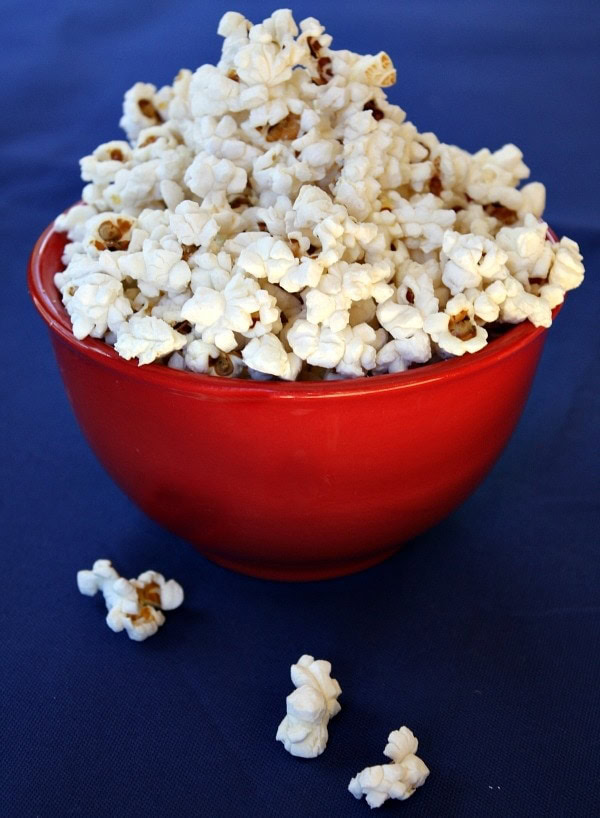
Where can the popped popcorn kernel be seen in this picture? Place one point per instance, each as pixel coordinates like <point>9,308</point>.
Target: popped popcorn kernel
<point>309,707</point>
<point>134,605</point>
<point>275,216</point>
<point>398,780</point>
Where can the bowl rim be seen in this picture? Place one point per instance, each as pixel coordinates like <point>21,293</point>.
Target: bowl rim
<point>47,301</point>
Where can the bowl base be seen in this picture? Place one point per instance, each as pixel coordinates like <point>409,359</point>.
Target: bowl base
<point>301,572</point>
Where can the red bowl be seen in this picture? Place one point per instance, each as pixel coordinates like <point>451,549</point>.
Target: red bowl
<point>290,481</point>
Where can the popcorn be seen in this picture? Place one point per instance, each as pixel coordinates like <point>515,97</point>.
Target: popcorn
<point>400,320</point>
<point>319,346</point>
<point>164,269</point>
<point>492,177</point>
<point>207,174</point>
<point>523,244</point>
<point>520,305</point>
<point>105,162</point>
<point>133,605</point>
<point>399,354</point>
<point>470,259</point>
<point>454,330</point>
<point>267,355</point>
<point>192,225</point>
<point>360,352</point>
<point>423,222</point>
<point>374,70</point>
<point>274,260</point>
<point>97,305</point>
<point>274,216</point>
<point>567,271</point>
<point>218,314</point>
<point>74,220</point>
<point>303,731</point>
<point>139,109</point>
<point>398,780</point>
<point>147,338</point>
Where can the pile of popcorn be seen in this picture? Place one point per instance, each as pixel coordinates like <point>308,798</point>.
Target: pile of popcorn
<point>273,216</point>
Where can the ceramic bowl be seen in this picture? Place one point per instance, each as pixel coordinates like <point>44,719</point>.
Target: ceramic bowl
<point>290,481</point>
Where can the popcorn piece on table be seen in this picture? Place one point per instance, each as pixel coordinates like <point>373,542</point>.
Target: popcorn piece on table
<point>133,605</point>
<point>303,731</point>
<point>398,780</point>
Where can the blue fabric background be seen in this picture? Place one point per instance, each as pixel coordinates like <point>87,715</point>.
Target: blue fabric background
<point>482,635</point>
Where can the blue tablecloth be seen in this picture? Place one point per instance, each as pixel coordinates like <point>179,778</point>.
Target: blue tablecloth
<point>482,635</point>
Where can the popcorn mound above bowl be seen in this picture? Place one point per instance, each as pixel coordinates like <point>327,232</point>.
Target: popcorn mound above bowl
<point>273,216</point>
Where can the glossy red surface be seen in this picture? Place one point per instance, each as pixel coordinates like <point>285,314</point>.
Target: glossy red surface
<point>290,481</point>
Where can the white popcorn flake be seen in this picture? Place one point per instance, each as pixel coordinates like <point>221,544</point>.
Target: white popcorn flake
<point>424,222</point>
<point>360,351</point>
<point>484,307</point>
<point>399,354</point>
<point>207,173</point>
<point>297,220</point>
<point>133,187</point>
<point>400,320</point>
<point>533,199</point>
<point>218,314</point>
<point>329,306</point>
<point>192,225</point>
<point>164,268</point>
<point>104,163</point>
<point>133,605</point>
<point>398,780</point>
<point>147,338</point>
<point>268,258</point>
<point>375,69</point>
<point>419,291</point>
<point>470,259</point>
<point>97,305</point>
<point>553,294</point>
<point>520,305</point>
<point>454,330</point>
<point>74,220</point>
<point>319,346</point>
<point>274,260</point>
<point>139,109</point>
<point>268,355</point>
<point>567,271</point>
<point>492,177</point>
<point>171,193</point>
<point>198,356</point>
<point>309,707</point>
